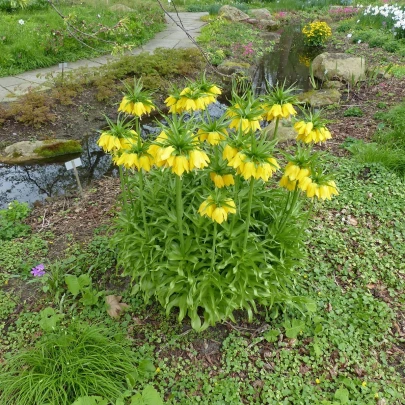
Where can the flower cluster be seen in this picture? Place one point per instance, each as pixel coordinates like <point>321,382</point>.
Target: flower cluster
<point>316,33</point>
<point>218,212</point>
<point>38,271</point>
<point>389,16</point>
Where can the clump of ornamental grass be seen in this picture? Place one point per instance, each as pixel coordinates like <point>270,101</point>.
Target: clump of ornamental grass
<point>80,360</point>
<point>205,227</point>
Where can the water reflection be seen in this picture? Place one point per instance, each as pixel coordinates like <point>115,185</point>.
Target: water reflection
<point>30,183</point>
<point>289,61</point>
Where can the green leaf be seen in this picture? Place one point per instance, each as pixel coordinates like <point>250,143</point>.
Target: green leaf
<point>146,366</point>
<point>151,397</point>
<point>137,400</point>
<point>272,335</point>
<point>293,328</point>
<point>72,284</point>
<point>342,394</point>
<point>90,297</point>
<point>49,319</point>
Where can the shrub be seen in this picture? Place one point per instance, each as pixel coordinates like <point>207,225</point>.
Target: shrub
<point>80,360</point>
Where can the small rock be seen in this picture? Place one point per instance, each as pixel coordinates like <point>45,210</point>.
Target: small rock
<point>232,14</point>
<point>285,131</point>
<point>261,13</point>
<point>320,98</point>
<point>228,68</point>
<point>332,84</point>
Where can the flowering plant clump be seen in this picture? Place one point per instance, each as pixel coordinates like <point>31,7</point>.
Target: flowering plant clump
<point>316,33</point>
<point>204,227</point>
<point>390,17</point>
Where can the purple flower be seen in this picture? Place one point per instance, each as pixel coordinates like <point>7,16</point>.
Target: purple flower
<point>38,271</point>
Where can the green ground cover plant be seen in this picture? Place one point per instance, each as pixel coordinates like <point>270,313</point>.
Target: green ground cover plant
<point>34,38</point>
<point>11,221</point>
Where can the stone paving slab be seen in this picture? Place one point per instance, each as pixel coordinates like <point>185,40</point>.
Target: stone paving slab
<point>172,37</point>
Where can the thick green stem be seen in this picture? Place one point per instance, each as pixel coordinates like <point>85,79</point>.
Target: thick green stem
<point>123,190</point>
<point>179,209</point>
<point>276,127</point>
<point>249,210</point>
<point>291,208</point>
<point>214,242</point>
<point>141,191</point>
<point>236,199</point>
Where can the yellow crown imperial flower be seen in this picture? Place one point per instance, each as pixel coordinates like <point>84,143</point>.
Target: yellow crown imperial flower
<point>295,172</point>
<point>245,124</point>
<point>229,152</point>
<point>215,90</point>
<point>287,183</point>
<point>307,133</point>
<point>198,159</point>
<point>323,191</point>
<point>180,165</point>
<point>237,160</point>
<point>217,212</point>
<point>133,160</point>
<point>136,100</point>
<point>213,138</point>
<point>222,180</point>
<point>117,138</point>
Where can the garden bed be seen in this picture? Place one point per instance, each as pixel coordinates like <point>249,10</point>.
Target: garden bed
<point>351,351</point>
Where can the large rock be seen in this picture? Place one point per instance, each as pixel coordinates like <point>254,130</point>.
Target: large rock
<point>264,19</point>
<point>320,98</point>
<point>121,8</point>
<point>285,131</point>
<point>350,68</point>
<point>34,151</point>
<point>261,13</point>
<point>229,67</point>
<point>232,14</point>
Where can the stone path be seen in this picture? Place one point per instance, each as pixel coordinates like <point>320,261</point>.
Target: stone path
<point>172,37</point>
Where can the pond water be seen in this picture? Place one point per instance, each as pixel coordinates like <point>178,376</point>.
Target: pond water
<point>289,61</point>
<point>35,182</point>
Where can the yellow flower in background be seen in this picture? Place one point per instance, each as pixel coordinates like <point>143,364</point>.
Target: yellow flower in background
<point>237,160</point>
<point>295,172</point>
<point>322,191</point>
<point>217,212</point>
<point>214,137</point>
<point>132,160</point>
<point>222,180</point>
<point>136,100</point>
<point>215,90</point>
<point>287,183</point>
<point>278,111</point>
<point>114,140</point>
<point>249,168</point>
<point>309,133</point>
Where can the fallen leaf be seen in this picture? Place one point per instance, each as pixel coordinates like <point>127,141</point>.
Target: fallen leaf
<point>114,306</point>
<point>352,221</point>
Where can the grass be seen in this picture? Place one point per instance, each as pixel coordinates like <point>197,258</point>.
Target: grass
<point>388,148</point>
<point>84,360</point>
<point>32,39</point>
